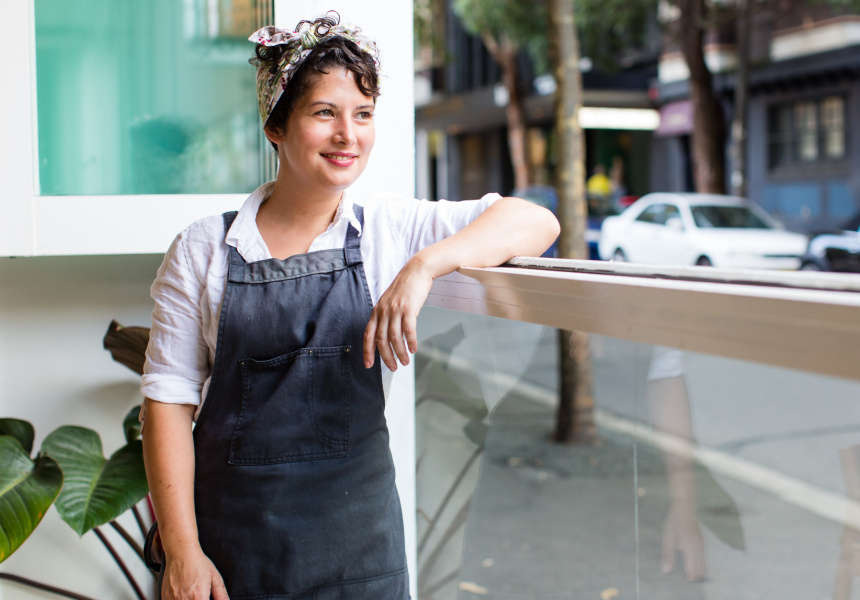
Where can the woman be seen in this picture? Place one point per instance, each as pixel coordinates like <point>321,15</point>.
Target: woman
<point>285,489</point>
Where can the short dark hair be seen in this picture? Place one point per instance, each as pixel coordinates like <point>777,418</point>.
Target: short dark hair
<point>331,53</point>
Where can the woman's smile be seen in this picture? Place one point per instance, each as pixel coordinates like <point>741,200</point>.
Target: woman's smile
<point>340,159</point>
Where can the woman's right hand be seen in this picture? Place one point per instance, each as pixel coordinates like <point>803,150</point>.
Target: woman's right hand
<point>192,576</point>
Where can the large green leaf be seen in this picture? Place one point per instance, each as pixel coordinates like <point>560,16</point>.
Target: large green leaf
<point>131,424</point>
<point>27,489</point>
<point>95,490</point>
<point>21,431</point>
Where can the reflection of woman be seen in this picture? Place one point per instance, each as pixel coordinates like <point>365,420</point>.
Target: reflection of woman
<point>286,487</point>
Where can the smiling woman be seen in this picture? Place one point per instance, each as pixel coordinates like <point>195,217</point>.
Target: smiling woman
<point>276,329</point>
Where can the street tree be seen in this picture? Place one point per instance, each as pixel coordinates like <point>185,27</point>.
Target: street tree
<point>507,27</point>
<point>575,413</point>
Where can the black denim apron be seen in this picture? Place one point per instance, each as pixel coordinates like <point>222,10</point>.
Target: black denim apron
<point>294,485</point>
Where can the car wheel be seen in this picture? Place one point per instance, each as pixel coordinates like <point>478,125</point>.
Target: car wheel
<point>619,256</point>
<point>704,261</point>
<point>810,266</point>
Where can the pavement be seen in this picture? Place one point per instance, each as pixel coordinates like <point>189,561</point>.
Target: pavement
<point>506,513</point>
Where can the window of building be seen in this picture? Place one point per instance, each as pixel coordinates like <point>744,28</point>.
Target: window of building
<point>807,131</point>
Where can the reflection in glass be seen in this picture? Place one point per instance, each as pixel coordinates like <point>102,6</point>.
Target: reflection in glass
<point>151,97</point>
<point>711,478</point>
<point>727,217</point>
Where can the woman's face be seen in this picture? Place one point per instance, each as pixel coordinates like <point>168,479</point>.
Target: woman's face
<point>328,136</point>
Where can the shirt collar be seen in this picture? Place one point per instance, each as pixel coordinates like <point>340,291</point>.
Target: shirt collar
<point>245,237</point>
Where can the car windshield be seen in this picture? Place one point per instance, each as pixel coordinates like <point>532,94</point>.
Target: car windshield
<point>739,217</point>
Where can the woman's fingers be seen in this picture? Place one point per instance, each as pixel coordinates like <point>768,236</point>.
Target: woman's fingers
<point>219,591</point>
<point>410,332</point>
<point>370,340</point>
<point>387,334</point>
<point>395,338</point>
<point>383,344</point>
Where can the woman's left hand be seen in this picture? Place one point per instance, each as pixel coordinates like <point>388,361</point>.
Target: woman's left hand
<point>395,316</point>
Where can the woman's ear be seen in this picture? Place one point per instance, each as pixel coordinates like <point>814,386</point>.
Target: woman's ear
<point>273,133</point>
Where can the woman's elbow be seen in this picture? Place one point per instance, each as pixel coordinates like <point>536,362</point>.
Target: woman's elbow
<point>543,226</point>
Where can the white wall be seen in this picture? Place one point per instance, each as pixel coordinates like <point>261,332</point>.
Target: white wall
<point>54,371</point>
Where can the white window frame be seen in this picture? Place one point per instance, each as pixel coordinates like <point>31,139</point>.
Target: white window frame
<point>34,225</point>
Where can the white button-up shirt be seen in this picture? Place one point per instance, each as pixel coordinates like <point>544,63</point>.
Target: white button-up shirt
<point>190,283</point>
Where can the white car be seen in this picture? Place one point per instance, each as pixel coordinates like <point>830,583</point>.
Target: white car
<point>700,229</point>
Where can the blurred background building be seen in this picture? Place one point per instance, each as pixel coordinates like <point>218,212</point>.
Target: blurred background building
<point>803,114</point>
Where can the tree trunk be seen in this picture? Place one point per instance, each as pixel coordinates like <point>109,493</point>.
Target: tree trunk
<point>739,127</point>
<point>506,56</point>
<point>575,417</point>
<point>709,167</point>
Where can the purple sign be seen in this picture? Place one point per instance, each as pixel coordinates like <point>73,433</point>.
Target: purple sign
<point>676,118</point>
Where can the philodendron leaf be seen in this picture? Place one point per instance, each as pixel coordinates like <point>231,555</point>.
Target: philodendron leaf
<point>21,431</point>
<point>27,489</point>
<point>95,490</point>
<point>131,424</point>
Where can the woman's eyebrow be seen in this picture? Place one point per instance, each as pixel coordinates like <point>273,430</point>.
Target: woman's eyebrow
<point>333,105</point>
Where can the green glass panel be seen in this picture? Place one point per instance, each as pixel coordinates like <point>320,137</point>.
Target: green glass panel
<point>152,97</point>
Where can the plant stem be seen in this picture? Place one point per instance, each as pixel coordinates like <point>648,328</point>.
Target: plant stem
<point>127,537</point>
<point>139,518</point>
<point>120,562</point>
<point>151,507</point>
<point>44,587</point>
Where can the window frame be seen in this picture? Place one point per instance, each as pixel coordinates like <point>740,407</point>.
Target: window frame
<point>35,225</point>
<point>794,162</point>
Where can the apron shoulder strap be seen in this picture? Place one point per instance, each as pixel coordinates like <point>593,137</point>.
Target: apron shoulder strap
<point>236,269</point>
<point>352,244</point>
<point>229,217</point>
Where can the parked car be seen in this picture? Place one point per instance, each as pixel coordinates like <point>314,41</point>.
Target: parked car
<point>700,229</point>
<point>838,251</point>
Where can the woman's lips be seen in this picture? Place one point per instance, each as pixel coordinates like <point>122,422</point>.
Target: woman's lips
<point>340,159</point>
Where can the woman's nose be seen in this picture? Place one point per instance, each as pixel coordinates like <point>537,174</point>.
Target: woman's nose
<point>345,131</point>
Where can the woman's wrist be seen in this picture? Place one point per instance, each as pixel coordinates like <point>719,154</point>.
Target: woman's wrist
<point>433,262</point>
<point>181,548</point>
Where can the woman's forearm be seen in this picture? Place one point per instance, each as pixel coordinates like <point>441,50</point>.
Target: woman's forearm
<point>168,452</point>
<point>510,227</point>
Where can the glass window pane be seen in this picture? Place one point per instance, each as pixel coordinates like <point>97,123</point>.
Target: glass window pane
<point>806,125</point>
<point>151,97</point>
<point>692,476</point>
<point>780,135</point>
<point>651,214</point>
<point>727,217</point>
<point>833,125</point>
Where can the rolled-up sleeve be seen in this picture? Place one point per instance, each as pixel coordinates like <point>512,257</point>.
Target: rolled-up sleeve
<point>177,357</point>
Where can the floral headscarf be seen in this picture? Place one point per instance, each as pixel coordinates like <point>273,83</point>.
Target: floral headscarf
<point>300,42</point>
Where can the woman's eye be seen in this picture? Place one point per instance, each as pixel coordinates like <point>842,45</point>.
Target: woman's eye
<point>365,116</point>
<point>326,112</point>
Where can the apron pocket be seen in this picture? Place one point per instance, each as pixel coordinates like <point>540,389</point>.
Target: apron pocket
<point>294,407</point>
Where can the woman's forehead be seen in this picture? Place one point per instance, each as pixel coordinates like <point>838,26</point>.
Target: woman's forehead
<point>338,83</point>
